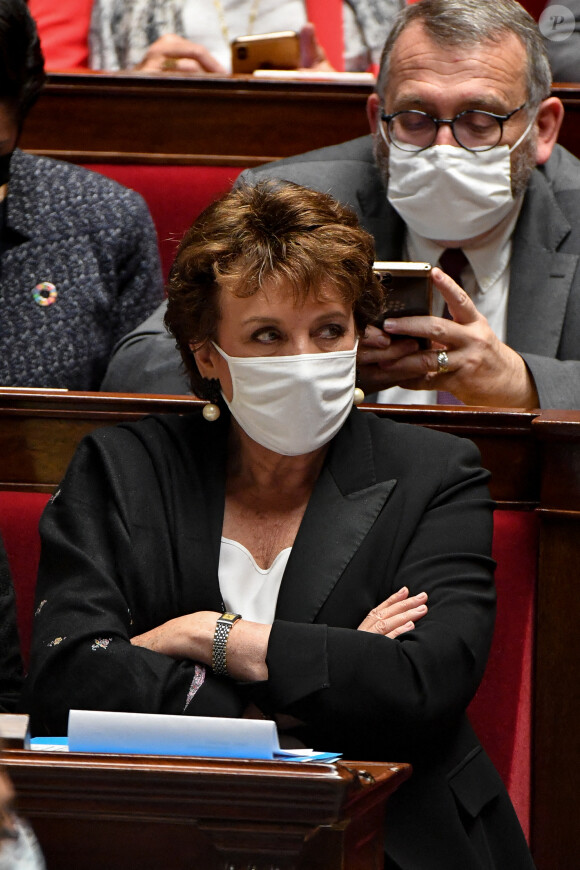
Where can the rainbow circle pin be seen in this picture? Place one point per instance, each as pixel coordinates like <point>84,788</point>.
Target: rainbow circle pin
<point>44,293</point>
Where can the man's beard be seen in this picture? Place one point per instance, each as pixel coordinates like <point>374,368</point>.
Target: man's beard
<point>381,155</point>
<point>523,162</point>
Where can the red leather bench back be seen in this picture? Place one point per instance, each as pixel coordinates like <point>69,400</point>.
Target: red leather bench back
<point>19,516</point>
<point>501,711</point>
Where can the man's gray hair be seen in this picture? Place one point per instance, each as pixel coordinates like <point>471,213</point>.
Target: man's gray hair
<point>473,22</point>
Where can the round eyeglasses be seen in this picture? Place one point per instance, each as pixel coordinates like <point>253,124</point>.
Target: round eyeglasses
<point>473,129</point>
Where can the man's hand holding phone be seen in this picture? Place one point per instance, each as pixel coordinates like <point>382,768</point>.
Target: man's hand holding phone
<point>482,370</point>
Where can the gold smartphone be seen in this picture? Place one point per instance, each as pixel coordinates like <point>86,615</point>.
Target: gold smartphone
<point>266,51</point>
<point>408,291</point>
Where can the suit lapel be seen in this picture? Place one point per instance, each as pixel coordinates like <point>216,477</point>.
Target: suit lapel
<point>197,494</point>
<point>344,505</point>
<point>379,218</point>
<point>540,275</point>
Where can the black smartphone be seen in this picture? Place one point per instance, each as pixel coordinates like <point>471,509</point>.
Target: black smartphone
<point>408,291</point>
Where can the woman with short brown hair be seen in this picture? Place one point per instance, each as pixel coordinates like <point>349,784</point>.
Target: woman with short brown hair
<point>275,555</point>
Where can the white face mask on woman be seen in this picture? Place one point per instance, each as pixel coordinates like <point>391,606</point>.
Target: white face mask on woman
<point>447,193</point>
<point>292,404</point>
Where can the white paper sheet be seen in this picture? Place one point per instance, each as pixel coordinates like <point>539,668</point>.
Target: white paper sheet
<point>160,734</point>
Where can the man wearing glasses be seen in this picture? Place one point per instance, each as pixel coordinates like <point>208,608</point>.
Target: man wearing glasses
<point>460,120</point>
<point>462,170</point>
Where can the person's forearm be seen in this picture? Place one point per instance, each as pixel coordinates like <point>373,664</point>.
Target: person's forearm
<point>191,637</point>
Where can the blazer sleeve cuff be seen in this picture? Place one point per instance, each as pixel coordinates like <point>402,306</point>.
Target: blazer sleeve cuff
<point>297,660</point>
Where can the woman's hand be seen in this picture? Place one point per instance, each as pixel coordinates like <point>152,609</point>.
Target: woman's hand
<point>312,54</point>
<point>191,637</point>
<point>397,615</point>
<point>172,53</point>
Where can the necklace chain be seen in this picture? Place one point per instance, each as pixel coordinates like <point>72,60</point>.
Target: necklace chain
<point>224,25</point>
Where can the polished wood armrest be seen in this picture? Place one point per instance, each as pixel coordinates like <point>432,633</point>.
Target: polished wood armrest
<point>120,811</point>
<point>89,117</point>
<point>227,120</point>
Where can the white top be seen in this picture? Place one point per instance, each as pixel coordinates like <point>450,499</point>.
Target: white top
<point>485,279</point>
<point>245,587</point>
<point>202,22</point>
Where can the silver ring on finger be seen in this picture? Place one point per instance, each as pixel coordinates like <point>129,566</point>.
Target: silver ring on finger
<point>442,362</point>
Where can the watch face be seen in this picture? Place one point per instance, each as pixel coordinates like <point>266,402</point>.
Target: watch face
<point>229,616</point>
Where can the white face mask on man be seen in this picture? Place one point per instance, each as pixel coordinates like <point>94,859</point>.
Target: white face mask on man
<point>292,404</point>
<point>447,193</point>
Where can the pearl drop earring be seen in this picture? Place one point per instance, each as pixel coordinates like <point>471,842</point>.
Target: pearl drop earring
<point>211,412</point>
<point>358,397</point>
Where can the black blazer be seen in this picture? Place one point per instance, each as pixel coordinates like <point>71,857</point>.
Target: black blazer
<point>132,539</point>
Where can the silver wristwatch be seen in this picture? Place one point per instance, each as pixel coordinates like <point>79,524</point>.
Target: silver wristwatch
<point>220,640</point>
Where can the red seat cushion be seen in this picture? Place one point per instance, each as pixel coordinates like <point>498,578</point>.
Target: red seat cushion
<point>502,708</point>
<point>19,516</point>
<point>326,15</point>
<point>63,28</point>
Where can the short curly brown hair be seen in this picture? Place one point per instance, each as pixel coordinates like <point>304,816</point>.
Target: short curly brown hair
<point>272,232</point>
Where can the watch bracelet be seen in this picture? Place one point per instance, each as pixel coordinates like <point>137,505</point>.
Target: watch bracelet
<point>220,641</point>
<point>218,653</point>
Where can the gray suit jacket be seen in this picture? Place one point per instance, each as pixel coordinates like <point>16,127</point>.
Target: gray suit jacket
<point>564,54</point>
<point>544,296</point>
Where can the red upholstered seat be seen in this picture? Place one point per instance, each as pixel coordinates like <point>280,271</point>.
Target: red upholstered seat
<point>326,15</point>
<point>176,195</point>
<point>19,516</point>
<point>63,28</point>
<point>501,709</point>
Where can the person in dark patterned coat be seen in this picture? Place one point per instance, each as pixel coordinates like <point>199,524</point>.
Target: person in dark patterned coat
<point>79,262</point>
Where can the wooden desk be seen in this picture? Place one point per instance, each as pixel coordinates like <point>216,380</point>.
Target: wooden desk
<point>233,121</point>
<point>39,431</point>
<point>123,812</point>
